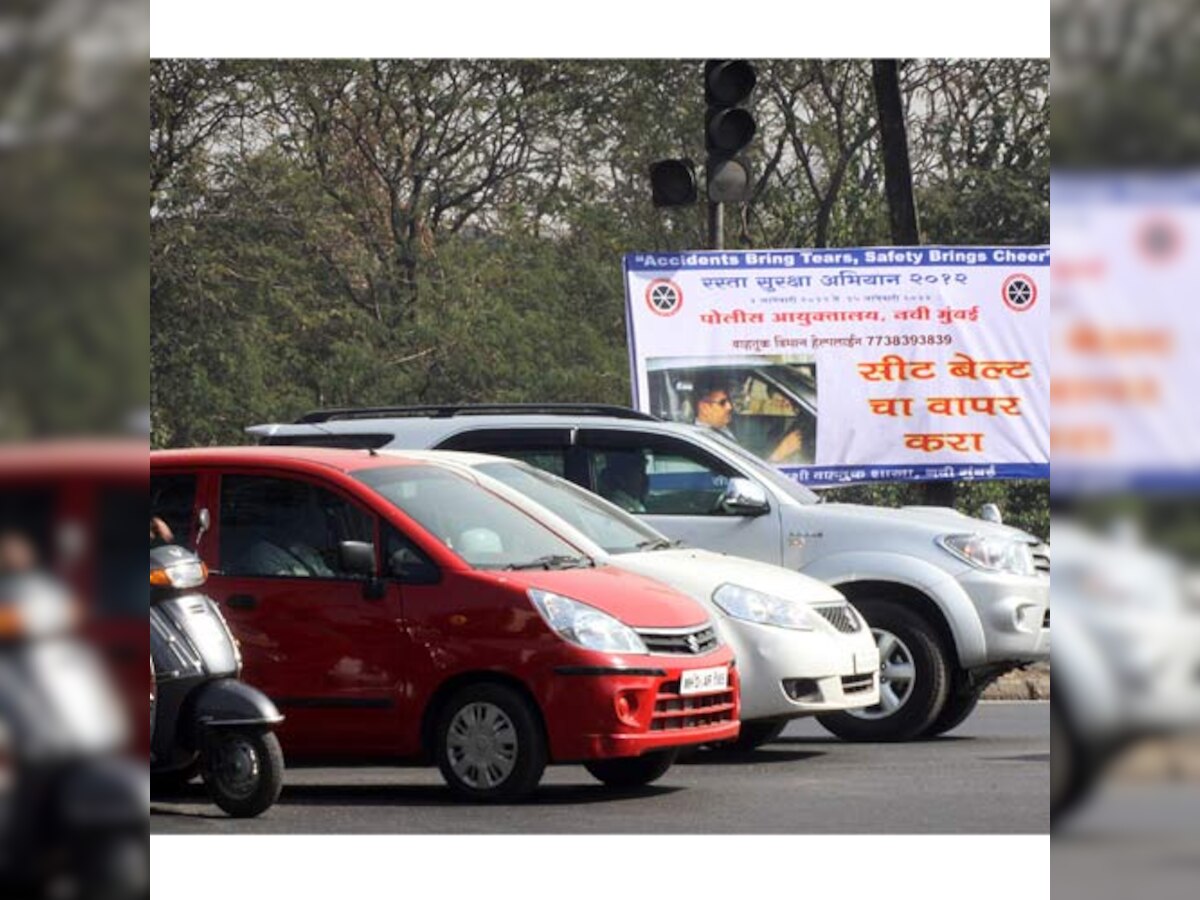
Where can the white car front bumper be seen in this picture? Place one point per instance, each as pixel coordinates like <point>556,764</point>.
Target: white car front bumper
<point>787,673</point>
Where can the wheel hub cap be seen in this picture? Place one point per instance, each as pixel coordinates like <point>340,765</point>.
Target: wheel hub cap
<point>237,765</point>
<point>897,675</point>
<point>482,745</point>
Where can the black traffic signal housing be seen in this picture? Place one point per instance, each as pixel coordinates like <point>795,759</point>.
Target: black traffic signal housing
<point>728,128</point>
<point>673,182</point>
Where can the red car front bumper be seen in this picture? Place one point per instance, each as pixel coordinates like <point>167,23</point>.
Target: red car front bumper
<point>602,712</point>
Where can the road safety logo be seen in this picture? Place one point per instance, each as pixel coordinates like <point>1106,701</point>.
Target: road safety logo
<point>1019,292</point>
<point>1159,240</point>
<point>664,297</point>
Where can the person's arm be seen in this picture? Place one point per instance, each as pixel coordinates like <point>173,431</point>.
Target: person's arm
<point>787,448</point>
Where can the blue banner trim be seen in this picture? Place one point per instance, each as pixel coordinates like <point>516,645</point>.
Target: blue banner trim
<point>832,476</point>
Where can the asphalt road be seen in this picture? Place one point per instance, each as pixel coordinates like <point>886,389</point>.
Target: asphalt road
<point>991,775</point>
<point>1131,840</point>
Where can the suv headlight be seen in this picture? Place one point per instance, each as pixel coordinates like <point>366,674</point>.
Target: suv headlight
<point>992,554</point>
<point>585,625</point>
<point>755,606</point>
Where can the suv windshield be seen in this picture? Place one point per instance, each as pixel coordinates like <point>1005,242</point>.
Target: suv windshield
<point>761,469</point>
<point>483,529</point>
<point>613,529</point>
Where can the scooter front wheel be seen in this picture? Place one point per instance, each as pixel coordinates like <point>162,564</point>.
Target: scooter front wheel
<point>243,770</point>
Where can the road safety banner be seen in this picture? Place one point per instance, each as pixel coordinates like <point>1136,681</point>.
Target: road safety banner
<point>869,364</point>
<point>1125,331</point>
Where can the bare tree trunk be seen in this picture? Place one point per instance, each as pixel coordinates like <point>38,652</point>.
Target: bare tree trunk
<point>902,208</point>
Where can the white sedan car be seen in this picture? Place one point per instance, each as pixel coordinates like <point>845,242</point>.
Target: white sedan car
<point>801,648</point>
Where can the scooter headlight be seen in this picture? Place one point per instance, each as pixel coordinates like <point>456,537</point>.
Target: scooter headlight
<point>36,609</point>
<point>180,576</point>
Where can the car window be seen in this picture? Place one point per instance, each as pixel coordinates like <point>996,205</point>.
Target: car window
<point>404,559</point>
<point>278,527</point>
<point>612,529</point>
<point>659,477</point>
<point>483,529</point>
<point>173,499</point>
<point>764,415</point>
<point>552,460</point>
<point>120,551</point>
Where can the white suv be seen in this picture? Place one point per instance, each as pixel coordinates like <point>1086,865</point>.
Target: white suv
<point>953,601</point>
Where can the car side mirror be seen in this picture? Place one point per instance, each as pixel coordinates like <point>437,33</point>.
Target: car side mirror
<point>744,497</point>
<point>357,557</point>
<point>409,568</point>
<point>203,523</point>
<point>990,512</point>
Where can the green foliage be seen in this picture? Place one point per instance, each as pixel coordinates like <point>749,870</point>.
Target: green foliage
<point>338,232</point>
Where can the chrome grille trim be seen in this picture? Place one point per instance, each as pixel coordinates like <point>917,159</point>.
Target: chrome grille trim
<point>680,641</point>
<point>841,616</point>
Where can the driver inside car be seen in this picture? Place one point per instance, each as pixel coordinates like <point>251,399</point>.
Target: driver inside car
<point>623,481</point>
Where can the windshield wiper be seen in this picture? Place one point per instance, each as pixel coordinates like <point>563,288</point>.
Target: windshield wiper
<point>553,561</point>
<point>658,544</point>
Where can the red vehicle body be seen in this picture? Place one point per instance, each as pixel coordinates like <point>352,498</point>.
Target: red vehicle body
<point>363,667</point>
<point>81,505</point>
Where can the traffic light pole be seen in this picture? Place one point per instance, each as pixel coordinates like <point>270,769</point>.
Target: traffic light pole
<point>716,226</point>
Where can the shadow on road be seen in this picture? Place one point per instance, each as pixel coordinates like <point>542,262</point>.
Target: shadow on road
<point>830,740</point>
<point>760,755</point>
<point>407,795</point>
<point>1025,757</point>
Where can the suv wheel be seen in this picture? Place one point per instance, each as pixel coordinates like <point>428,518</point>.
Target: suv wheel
<point>914,678</point>
<point>490,745</point>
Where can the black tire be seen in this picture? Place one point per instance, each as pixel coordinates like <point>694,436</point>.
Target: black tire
<point>531,753</point>
<point>115,867</point>
<point>930,682</point>
<point>1073,770</point>
<point>636,771</point>
<point>959,705</point>
<point>176,782</point>
<point>753,735</point>
<point>254,795</point>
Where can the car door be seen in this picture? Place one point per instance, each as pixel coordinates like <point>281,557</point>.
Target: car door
<point>683,488</point>
<point>322,642</point>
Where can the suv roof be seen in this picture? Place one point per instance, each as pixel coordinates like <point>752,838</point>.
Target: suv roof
<point>427,427</point>
<point>478,409</point>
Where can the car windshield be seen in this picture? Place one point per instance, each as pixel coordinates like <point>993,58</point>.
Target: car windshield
<point>763,471</point>
<point>612,528</point>
<point>483,529</point>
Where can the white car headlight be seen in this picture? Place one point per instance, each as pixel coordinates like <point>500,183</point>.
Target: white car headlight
<point>993,554</point>
<point>585,625</point>
<point>755,606</point>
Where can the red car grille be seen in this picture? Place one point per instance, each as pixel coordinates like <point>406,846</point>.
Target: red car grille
<point>673,712</point>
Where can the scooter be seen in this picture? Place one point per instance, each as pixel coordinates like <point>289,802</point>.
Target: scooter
<point>202,718</point>
<point>73,807</point>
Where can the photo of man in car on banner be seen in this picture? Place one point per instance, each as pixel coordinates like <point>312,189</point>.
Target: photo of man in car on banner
<point>931,362</point>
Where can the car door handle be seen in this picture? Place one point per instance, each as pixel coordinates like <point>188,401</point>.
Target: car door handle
<point>242,601</point>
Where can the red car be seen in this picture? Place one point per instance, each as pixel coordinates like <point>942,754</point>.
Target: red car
<point>397,609</point>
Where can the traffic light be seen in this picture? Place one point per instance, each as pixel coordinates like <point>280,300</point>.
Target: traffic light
<point>728,128</point>
<point>673,182</point>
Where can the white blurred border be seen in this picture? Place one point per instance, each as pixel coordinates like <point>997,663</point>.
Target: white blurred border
<point>581,867</point>
<point>665,29</point>
<point>607,867</point>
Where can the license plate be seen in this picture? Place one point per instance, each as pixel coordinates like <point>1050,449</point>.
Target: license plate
<point>704,681</point>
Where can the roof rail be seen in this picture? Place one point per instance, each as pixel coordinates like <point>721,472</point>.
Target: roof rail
<point>480,409</point>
